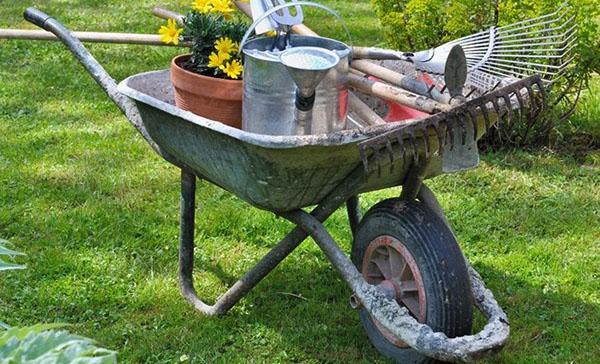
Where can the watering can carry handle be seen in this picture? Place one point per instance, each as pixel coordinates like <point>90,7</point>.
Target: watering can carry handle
<point>268,13</point>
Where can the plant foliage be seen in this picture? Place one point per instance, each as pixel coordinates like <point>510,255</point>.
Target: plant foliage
<point>412,25</point>
<point>204,29</point>
<point>40,344</point>
<point>4,251</point>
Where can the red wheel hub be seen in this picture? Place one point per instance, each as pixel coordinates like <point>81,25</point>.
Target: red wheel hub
<point>388,265</point>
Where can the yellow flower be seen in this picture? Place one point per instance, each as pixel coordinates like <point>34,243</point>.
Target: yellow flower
<point>232,69</point>
<point>170,33</point>
<point>226,45</point>
<point>224,56</point>
<point>203,6</point>
<point>215,60</point>
<point>222,6</point>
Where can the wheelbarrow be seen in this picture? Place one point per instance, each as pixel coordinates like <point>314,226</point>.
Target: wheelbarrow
<point>411,284</point>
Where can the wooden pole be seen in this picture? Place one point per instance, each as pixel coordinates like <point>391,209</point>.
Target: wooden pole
<point>91,37</point>
<point>397,79</point>
<point>363,110</point>
<point>378,54</point>
<point>168,14</point>
<point>395,94</point>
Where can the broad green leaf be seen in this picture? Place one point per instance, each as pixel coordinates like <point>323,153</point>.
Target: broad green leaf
<point>5,251</point>
<point>21,332</point>
<point>30,345</point>
<point>10,253</point>
<point>9,266</point>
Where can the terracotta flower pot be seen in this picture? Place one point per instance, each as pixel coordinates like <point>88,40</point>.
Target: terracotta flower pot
<point>214,98</point>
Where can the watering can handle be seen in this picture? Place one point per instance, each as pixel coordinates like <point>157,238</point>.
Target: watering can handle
<point>288,5</point>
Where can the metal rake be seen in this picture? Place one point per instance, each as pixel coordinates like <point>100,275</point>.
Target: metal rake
<point>462,124</point>
<point>498,55</point>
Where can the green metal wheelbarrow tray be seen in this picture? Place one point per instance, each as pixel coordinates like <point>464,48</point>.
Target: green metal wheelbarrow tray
<point>411,284</point>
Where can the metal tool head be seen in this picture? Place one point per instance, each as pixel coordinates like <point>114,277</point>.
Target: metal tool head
<point>284,16</point>
<point>540,45</point>
<point>500,55</point>
<point>308,65</point>
<point>459,128</point>
<point>455,71</point>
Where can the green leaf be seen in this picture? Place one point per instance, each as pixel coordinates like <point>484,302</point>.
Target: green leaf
<point>10,253</point>
<point>5,251</point>
<point>36,344</point>
<point>21,332</point>
<point>9,266</point>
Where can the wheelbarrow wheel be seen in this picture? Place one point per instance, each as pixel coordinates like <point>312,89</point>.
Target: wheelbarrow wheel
<point>407,251</point>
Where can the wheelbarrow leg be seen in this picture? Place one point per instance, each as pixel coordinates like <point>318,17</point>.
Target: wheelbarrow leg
<point>186,238</point>
<point>254,276</point>
<point>186,256</point>
<point>328,206</point>
<point>413,181</point>
<point>354,214</point>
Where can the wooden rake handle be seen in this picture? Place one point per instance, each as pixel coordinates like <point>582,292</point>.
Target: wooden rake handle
<point>90,37</point>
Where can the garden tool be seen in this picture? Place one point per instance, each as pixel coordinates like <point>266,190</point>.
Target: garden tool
<point>540,45</point>
<point>259,7</point>
<point>283,21</point>
<point>406,140</point>
<point>455,74</point>
<point>285,175</point>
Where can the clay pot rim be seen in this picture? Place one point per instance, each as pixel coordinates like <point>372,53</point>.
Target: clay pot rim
<point>175,62</point>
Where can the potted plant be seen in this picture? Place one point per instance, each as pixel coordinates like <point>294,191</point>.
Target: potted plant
<point>208,81</point>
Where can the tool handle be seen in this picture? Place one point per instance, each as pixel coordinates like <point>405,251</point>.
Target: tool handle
<point>167,14</point>
<point>395,94</point>
<point>92,37</point>
<point>377,54</point>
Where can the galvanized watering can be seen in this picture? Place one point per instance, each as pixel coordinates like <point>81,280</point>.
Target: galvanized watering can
<point>269,103</point>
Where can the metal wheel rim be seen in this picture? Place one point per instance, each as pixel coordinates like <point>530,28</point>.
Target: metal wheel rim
<point>388,265</point>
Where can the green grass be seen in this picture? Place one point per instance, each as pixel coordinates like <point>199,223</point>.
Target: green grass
<point>96,211</point>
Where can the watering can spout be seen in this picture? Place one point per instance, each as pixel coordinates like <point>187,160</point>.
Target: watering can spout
<point>307,66</point>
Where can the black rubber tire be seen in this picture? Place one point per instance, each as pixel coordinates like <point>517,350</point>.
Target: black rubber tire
<point>439,260</point>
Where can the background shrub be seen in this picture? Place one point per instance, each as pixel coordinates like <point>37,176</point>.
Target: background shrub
<point>412,25</point>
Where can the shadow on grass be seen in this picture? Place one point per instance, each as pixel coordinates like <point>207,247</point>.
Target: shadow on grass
<point>323,328</point>
<point>543,322</point>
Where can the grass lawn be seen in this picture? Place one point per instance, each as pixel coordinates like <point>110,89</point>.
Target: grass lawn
<point>96,211</point>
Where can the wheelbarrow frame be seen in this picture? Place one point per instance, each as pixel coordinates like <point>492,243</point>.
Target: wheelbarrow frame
<point>387,312</point>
